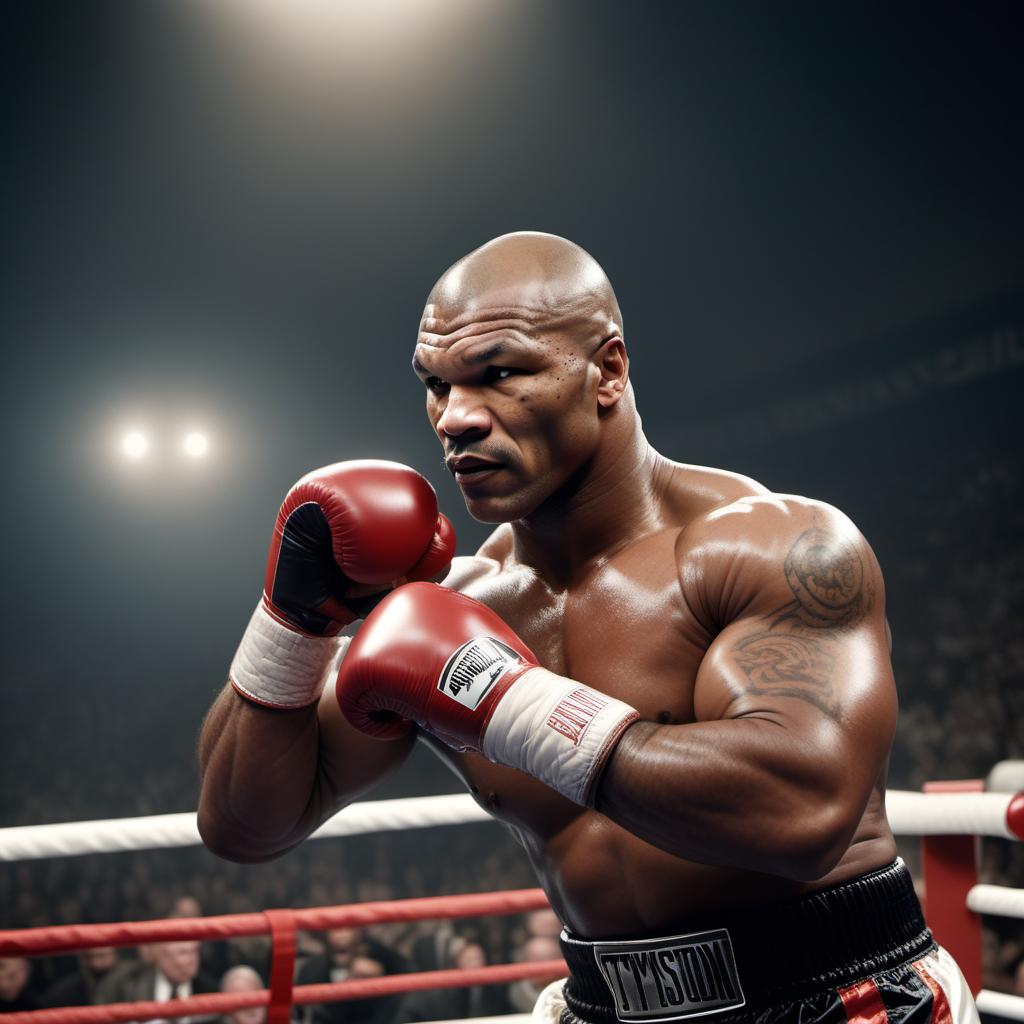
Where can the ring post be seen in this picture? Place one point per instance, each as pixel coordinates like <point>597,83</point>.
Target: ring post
<point>282,965</point>
<point>950,867</point>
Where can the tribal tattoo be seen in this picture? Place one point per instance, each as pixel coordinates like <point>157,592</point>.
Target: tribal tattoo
<point>796,656</point>
<point>790,665</point>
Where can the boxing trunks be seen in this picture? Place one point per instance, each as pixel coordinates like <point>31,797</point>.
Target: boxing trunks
<point>859,952</point>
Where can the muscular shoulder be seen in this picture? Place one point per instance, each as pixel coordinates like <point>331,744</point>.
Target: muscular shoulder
<point>769,553</point>
<point>488,561</point>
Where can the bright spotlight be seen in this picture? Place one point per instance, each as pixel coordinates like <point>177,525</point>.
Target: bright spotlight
<point>195,445</point>
<point>135,444</point>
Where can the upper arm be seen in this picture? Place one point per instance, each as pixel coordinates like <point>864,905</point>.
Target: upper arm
<point>794,597</point>
<point>350,762</point>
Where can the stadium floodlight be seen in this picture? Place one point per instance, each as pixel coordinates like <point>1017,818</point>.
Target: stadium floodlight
<point>195,445</point>
<point>135,444</point>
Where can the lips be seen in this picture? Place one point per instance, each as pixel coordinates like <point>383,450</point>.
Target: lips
<point>470,465</point>
<point>472,472</point>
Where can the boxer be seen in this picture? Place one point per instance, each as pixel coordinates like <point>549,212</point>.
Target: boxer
<point>673,685</point>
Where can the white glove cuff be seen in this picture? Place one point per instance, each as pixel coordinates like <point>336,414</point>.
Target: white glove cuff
<point>279,667</point>
<point>557,730</point>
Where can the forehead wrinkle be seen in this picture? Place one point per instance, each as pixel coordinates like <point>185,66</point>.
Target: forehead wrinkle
<point>439,333</point>
<point>476,333</point>
<point>473,350</point>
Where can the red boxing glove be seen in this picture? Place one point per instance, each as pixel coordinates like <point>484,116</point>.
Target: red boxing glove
<point>429,656</point>
<point>362,522</point>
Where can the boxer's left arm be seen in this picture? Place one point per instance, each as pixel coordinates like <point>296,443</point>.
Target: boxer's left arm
<point>794,700</point>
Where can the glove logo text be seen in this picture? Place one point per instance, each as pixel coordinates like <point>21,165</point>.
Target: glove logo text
<point>474,668</point>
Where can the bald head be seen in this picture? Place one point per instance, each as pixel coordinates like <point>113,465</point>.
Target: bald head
<point>541,281</point>
<point>241,978</point>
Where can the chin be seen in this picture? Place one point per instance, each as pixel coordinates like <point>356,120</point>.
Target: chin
<point>490,510</point>
<point>495,509</point>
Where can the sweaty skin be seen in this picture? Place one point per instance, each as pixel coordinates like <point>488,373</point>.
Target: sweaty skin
<point>747,628</point>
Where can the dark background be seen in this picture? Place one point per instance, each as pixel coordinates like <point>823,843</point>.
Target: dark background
<point>229,215</point>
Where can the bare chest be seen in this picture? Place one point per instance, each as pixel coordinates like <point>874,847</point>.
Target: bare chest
<point>624,629</point>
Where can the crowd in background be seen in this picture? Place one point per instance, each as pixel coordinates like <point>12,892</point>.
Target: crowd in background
<point>167,971</point>
<point>957,592</point>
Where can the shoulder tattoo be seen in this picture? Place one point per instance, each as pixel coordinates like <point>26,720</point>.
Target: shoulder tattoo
<point>826,576</point>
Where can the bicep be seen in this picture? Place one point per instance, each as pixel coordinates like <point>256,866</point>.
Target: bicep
<point>352,763</point>
<point>830,690</point>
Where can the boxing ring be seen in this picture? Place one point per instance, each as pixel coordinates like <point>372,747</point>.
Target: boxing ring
<point>950,818</point>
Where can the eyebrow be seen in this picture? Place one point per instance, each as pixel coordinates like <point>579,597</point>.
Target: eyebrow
<point>499,348</point>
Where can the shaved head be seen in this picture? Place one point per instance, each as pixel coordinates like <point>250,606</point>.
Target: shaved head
<point>538,281</point>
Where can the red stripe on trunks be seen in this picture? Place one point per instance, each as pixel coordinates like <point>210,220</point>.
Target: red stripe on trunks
<point>863,1003</point>
<point>940,1004</point>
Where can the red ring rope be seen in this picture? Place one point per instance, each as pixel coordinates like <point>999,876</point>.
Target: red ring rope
<point>282,925</point>
<point>64,938</point>
<point>363,988</point>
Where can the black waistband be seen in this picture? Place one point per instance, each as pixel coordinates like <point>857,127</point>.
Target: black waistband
<point>825,940</point>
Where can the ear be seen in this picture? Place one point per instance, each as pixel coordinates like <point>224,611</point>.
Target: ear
<point>613,362</point>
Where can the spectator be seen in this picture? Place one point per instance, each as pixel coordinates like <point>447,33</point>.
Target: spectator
<point>459,1003</point>
<point>522,995</point>
<point>543,923</point>
<point>214,957</point>
<point>186,906</point>
<point>79,987</point>
<point>171,972</point>
<point>431,951</point>
<point>15,972</point>
<point>243,979</point>
<point>352,954</point>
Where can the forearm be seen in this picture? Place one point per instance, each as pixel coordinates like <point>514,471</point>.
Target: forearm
<point>744,793</point>
<point>261,792</point>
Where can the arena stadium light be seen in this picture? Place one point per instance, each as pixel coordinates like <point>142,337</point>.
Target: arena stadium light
<point>135,445</point>
<point>195,445</point>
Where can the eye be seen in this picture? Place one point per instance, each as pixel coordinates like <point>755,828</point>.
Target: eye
<point>499,373</point>
<point>435,385</point>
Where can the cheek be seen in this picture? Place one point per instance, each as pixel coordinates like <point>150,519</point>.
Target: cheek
<point>565,429</point>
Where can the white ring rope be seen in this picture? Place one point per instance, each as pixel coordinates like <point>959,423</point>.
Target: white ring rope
<point>1000,1004</point>
<point>162,831</point>
<point>909,813</point>
<point>996,899</point>
<point>949,814</point>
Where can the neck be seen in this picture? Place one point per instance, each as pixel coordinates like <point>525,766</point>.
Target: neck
<point>611,500</point>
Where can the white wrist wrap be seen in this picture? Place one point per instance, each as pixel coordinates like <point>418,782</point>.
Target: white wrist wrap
<point>557,730</point>
<point>279,667</point>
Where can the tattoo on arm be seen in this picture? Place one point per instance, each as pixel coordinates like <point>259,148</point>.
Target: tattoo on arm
<point>795,655</point>
<point>827,580</point>
<point>786,664</point>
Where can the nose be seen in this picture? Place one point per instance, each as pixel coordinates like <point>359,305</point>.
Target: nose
<point>463,414</point>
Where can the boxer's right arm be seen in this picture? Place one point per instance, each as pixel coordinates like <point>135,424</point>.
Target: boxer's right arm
<point>271,777</point>
<point>275,760</point>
